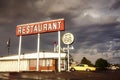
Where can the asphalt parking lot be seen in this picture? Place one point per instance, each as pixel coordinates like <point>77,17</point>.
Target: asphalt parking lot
<point>77,75</point>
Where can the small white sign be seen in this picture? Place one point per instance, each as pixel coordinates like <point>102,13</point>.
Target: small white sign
<point>68,38</point>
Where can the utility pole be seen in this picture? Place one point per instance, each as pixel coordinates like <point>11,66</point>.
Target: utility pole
<point>8,45</point>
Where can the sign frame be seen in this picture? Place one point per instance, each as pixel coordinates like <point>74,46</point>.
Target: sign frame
<point>49,26</point>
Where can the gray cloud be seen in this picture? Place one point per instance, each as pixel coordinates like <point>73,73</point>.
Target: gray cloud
<point>116,5</point>
<point>93,22</point>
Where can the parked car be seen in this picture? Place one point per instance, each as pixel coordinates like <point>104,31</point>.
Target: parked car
<point>113,67</point>
<point>82,67</point>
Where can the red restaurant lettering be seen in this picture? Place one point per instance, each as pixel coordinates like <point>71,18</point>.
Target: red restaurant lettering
<point>40,27</point>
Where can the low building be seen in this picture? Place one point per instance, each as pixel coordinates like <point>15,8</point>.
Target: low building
<point>48,61</point>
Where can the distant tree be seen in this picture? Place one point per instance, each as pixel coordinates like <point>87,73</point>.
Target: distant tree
<point>86,61</point>
<point>71,58</point>
<point>101,63</point>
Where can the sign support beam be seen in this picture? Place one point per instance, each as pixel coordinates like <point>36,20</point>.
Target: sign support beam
<point>38,50</point>
<point>59,52</point>
<point>19,52</point>
<point>68,55</point>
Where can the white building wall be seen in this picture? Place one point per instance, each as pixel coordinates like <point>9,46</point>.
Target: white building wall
<point>10,63</point>
<point>12,66</point>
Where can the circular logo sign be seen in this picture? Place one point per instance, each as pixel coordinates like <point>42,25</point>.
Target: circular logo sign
<point>68,38</point>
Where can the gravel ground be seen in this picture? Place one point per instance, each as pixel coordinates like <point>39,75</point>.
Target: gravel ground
<point>77,75</point>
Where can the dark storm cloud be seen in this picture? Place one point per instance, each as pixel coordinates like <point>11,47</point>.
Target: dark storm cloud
<point>103,40</point>
<point>95,34</point>
<point>93,22</point>
<point>116,5</point>
<point>16,10</point>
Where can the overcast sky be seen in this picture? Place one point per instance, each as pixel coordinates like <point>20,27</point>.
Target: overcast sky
<point>94,23</point>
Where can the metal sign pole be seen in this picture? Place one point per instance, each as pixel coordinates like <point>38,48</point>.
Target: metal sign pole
<point>19,52</point>
<point>38,50</point>
<point>68,47</point>
<point>59,57</point>
<point>68,39</point>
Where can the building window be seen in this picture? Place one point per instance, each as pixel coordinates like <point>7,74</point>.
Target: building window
<point>45,62</point>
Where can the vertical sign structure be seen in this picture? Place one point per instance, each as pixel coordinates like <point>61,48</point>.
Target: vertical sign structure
<point>59,58</point>
<point>68,39</point>
<point>38,50</point>
<point>68,47</point>
<point>19,52</point>
<point>38,28</point>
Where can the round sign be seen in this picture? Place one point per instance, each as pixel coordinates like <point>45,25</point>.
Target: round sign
<point>68,38</point>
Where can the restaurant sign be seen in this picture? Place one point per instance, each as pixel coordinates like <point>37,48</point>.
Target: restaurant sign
<point>40,27</point>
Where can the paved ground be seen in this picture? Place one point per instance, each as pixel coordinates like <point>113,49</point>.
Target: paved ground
<point>103,75</point>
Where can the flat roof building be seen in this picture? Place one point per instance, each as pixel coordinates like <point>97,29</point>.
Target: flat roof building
<point>48,61</point>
